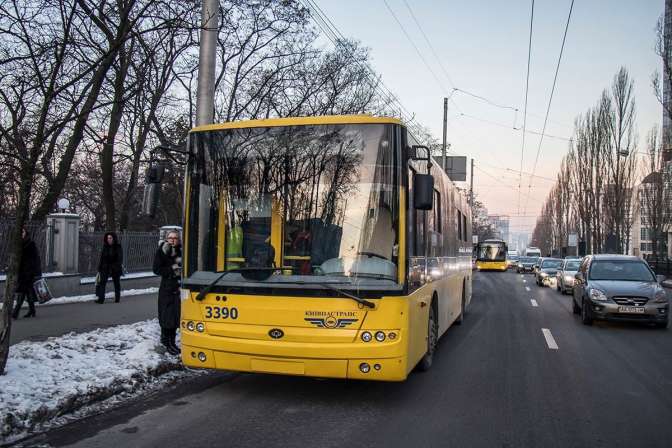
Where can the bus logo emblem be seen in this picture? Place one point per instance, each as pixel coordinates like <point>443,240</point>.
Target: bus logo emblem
<point>276,333</point>
<point>330,321</point>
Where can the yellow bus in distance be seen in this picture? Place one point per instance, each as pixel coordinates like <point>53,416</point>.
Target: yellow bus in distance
<point>491,255</point>
<point>328,247</point>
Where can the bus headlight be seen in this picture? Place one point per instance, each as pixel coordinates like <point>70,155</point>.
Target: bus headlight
<point>380,336</point>
<point>190,325</point>
<point>200,327</point>
<point>366,336</point>
<point>364,368</point>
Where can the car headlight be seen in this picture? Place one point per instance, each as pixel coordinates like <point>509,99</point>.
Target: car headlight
<point>569,278</point>
<point>543,274</point>
<point>660,296</point>
<point>598,295</point>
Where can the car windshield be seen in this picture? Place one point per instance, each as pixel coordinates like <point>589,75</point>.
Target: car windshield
<point>635,271</point>
<point>527,260</point>
<point>551,264</point>
<point>312,200</point>
<point>572,265</point>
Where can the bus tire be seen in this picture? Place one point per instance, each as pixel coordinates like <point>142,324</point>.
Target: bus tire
<point>432,337</point>
<point>460,318</point>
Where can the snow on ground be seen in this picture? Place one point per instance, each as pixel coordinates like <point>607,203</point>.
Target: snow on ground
<point>91,297</point>
<point>88,280</point>
<point>3,277</point>
<point>44,380</point>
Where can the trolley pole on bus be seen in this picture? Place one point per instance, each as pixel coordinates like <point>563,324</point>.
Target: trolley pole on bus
<point>445,132</point>
<point>205,92</point>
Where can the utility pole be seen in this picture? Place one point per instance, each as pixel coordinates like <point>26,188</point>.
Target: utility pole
<point>471,187</point>
<point>445,132</point>
<point>205,92</point>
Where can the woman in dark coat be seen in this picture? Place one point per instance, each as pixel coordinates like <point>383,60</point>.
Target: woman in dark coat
<point>30,269</point>
<point>168,264</point>
<point>110,265</point>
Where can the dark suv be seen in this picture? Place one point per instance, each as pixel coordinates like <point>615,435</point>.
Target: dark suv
<point>619,287</point>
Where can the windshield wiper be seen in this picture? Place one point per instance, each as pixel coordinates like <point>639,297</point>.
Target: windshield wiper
<point>329,285</point>
<point>204,292</point>
<point>249,270</point>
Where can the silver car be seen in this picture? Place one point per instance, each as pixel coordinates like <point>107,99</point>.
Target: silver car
<point>565,276</point>
<point>619,287</point>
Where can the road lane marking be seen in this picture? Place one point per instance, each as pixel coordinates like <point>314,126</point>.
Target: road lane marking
<point>527,288</point>
<point>549,339</point>
<point>524,281</point>
<point>534,302</point>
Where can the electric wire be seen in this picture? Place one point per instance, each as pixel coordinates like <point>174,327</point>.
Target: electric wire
<point>332,33</point>
<point>527,88</point>
<point>550,99</point>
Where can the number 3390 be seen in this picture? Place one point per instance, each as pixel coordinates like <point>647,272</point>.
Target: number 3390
<point>216,312</point>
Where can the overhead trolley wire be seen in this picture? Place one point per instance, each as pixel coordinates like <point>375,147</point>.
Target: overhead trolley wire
<point>550,99</point>
<point>337,38</point>
<point>527,87</point>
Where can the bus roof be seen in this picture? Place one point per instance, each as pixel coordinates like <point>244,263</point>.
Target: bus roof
<point>299,121</point>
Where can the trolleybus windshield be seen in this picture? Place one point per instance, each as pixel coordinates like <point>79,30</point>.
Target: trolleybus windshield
<point>313,201</point>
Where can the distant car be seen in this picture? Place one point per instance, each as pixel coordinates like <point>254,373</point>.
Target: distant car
<point>545,273</point>
<point>526,264</point>
<point>512,261</point>
<point>619,287</point>
<point>565,275</point>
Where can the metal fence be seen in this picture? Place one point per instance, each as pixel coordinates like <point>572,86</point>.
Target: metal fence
<point>138,247</point>
<point>39,232</point>
<point>661,266</point>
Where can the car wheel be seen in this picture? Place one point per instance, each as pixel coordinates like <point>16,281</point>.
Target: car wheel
<point>575,307</point>
<point>432,338</point>
<point>586,318</point>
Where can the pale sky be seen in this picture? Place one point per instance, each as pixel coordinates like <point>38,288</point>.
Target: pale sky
<point>482,45</point>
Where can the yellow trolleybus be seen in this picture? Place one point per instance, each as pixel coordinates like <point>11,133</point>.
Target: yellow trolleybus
<point>327,247</point>
<point>491,255</point>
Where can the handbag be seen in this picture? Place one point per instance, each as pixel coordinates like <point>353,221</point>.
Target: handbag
<point>42,290</point>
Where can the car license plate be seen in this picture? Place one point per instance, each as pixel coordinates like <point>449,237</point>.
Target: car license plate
<point>631,309</point>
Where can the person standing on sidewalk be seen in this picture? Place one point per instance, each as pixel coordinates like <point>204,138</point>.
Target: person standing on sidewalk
<point>110,265</point>
<point>168,264</point>
<point>30,269</point>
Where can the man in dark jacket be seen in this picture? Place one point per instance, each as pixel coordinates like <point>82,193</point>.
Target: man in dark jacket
<point>30,270</point>
<point>168,264</point>
<point>110,265</point>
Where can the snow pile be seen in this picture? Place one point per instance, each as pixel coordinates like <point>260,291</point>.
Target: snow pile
<point>92,297</point>
<point>44,380</point>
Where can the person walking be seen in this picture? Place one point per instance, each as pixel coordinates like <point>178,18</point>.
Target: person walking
<point>110,265</point>
<point>30,269</point>
<point>168,264</point>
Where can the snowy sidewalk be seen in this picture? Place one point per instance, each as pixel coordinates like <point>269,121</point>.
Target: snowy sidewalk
<point>47,379</point>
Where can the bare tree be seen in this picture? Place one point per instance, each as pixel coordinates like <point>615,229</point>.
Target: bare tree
<point>654,195</point>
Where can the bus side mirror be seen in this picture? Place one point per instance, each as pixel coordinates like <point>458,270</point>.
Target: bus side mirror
<point>423,191</point>
<point>153,179</point>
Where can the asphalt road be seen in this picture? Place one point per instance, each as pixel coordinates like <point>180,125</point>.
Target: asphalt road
<point>495,383</point>
<point>56,320</point>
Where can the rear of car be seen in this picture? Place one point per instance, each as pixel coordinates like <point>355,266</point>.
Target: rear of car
<point>620,288</point>
<point>546,273</point>
<point>565,276</point>
<point>526,264</point>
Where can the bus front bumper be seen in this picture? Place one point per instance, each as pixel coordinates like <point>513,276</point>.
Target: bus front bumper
<point>347,361</point>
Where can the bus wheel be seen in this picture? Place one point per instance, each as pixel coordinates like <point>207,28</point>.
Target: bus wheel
<point>432,337</point>
<point>460,318</point>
